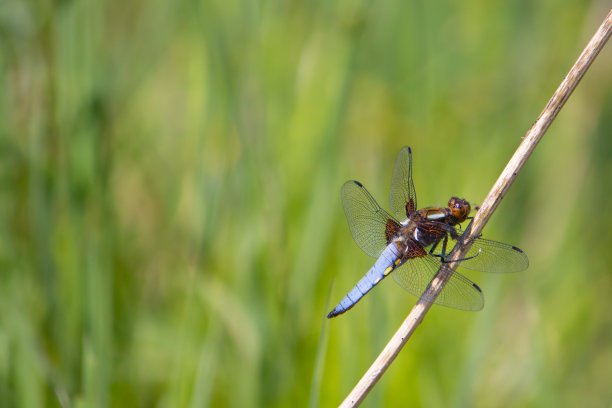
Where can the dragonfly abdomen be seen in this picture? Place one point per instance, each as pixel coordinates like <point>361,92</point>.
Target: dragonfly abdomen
<point>387,261</point>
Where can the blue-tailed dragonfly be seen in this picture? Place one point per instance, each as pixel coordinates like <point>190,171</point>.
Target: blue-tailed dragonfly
<point>414,244</point>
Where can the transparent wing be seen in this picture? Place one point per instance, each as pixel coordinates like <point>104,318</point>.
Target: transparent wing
<point>496,257</point>
<point>486,255</point>
<point>370,225</point>
<point>402,198</point>
<point>459,293</point>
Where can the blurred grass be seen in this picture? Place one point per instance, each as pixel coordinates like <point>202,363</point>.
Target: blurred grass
<point>170,221</point>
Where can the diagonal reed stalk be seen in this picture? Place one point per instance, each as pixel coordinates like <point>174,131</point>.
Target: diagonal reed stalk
<point>503,183</point>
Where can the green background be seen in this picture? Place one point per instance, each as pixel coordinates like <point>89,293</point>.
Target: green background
<point>171,230</point>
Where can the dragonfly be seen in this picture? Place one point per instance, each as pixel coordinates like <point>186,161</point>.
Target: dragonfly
<point>413,245</point>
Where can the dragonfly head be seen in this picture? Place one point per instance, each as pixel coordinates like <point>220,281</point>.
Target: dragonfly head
<point>460,208</point>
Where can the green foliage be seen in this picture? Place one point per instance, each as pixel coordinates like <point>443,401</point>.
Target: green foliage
<point>171,231</point>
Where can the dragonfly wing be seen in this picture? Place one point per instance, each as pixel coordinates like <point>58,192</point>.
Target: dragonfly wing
<point>371,226</point>
<point>402,199</point>
<point>459,293</point>
<point>495,257</point>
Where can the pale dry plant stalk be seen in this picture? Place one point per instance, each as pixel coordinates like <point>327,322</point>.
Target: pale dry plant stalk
<point>503,183</point>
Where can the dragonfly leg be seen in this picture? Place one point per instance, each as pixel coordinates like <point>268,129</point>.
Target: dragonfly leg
<point>433,248</point>
<point>444,260</point>
<point>442,255</point>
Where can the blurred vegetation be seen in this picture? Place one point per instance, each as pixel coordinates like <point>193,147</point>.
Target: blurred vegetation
<point>171,231</point>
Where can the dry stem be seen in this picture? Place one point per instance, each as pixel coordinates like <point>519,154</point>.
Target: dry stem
<point>487,208</point>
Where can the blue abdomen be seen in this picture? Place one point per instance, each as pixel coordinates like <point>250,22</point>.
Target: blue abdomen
<point>384,265</point>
